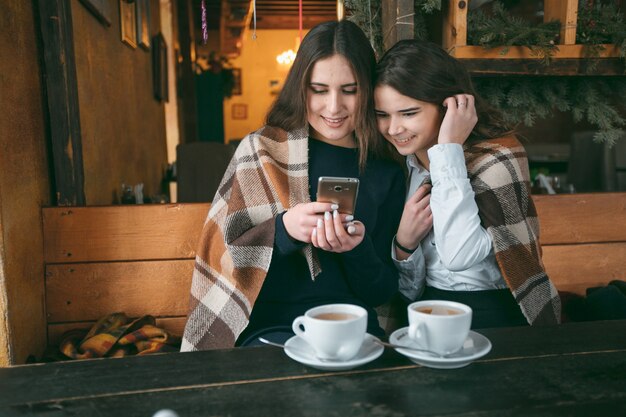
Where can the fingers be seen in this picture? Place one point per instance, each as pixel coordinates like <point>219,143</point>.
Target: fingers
<point>320,235</point>
<point>471,101</point>
<point>319,207</point>
<point>333,234</point>
<point>464,101</point>
<point>459,102</point>
<point>329,230</point>
<point>450,103</point>
<point>420,193</point>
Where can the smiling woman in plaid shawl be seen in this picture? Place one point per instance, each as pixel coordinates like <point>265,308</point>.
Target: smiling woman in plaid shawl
<point>469,231</point>
<point>268,251</point>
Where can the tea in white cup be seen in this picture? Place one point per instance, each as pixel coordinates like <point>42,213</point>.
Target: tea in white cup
<point>439,326</point>
<point>334,331</point>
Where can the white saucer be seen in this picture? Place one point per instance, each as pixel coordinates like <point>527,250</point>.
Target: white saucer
<point>476,346</point>
<point>299,350</point>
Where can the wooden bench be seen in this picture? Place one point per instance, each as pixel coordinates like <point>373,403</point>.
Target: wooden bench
<point>139,259</point>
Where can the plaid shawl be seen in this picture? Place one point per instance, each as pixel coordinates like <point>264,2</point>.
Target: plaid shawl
<point>267,175</point>
<point>498,172</point>
<point>116,335</point>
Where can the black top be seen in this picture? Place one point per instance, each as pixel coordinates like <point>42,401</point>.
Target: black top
<point>364,276</point>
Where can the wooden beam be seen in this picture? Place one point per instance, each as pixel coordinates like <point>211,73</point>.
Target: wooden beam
<point>454,24</point>
<point>397,21</point>
<point>604,67</point>
<point>187,113</point>
<point>566,12</point>
<point>524,52</point>
<point>61,89</point>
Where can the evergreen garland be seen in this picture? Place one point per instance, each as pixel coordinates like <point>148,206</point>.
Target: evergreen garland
<point>501,29</point>
<point>367,14</point>
<point>524,100</point>
<point>590,99</point>
<point>600,23</point>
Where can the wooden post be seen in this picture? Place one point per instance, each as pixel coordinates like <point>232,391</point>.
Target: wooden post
<point>565,11</point>
<point>55,19</point>
<point>187,113</point>
<point>454,25</point>
<point>397,21</point>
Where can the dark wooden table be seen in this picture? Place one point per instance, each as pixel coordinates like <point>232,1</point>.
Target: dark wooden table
<point>576,369</point>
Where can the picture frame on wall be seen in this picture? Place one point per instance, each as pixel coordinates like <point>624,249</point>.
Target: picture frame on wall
<point>159,68</point>
<point>239,111</point>
<point>143,23</point>
<point>128,23</point>
<point>101,9</point>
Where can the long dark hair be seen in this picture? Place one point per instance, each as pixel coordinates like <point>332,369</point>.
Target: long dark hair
<point>323,41</point>
<point>425,72</point>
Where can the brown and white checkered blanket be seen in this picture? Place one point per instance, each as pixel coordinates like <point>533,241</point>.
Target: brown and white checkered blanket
<point>267,175</point>
<point>498,172</point>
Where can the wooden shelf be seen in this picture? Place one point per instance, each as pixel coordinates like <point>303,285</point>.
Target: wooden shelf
<point>523,52</point>
<point>455,38</point>
<point>605,67</point>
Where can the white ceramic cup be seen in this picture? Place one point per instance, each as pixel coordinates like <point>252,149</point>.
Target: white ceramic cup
<point>334,331</point>
<point>440,326</point>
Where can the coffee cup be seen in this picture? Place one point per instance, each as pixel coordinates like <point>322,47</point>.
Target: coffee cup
<point>334,331</point>
<point>439,326</point>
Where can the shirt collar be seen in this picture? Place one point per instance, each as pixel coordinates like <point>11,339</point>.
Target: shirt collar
<point>413,163</point>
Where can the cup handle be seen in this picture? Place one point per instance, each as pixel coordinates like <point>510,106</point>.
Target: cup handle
<point>417,333</point>
<point>295,326</point>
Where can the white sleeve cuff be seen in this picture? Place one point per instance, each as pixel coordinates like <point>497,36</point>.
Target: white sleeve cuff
<point>447,161</point>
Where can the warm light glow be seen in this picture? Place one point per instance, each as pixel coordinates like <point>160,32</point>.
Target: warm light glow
<point>286,58</point>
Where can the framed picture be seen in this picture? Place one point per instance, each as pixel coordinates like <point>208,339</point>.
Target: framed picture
<point>236,81</point>
<point>99,8</point>
<point>159,68</point>
<point>143,23</point>
<point>128,23</point>
<point>239,111</point>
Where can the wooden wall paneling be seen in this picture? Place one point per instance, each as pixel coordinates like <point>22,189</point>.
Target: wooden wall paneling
<point>83,292</point>
<point>575,268</point>
<point>115,233</point>
<point>581,218</point>
<point>397,21</point>
<point>55,20</point>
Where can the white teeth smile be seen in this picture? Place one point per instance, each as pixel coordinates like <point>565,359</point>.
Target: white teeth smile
<point>339,120</point>
<point>403,140</point>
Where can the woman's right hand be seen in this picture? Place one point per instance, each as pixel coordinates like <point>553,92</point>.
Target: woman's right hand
<point>417,219</point>
<point>459,120</point>
<point>301,219</point>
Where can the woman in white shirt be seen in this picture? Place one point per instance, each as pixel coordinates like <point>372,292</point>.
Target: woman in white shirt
<point>469,231</point>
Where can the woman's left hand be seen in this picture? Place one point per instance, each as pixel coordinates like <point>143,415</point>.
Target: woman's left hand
<point>333,236</point>
<point>459,120</point>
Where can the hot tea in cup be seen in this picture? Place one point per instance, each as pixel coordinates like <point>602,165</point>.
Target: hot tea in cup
<point>439,326</point>
<point>334,331</point>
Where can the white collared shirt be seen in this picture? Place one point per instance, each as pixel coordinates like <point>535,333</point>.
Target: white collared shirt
<point>457,254</point>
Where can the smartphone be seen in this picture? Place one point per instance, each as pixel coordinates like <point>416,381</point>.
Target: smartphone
<point>339,190</point>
